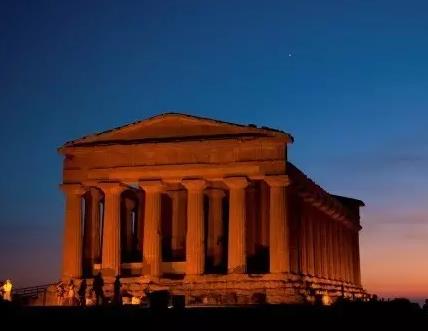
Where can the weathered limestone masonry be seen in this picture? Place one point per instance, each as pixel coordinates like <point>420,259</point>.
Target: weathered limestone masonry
<point>208,209</point>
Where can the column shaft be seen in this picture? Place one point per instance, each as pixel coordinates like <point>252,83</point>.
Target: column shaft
<point>303,245</point>
<point>330,249</point>
<point>325,246</point>
<point>348,254</point>
<point>342,253</point>
<point>351,256</point>
<point>72,251</point>
<point>336,251</point>
<point>110,264</point>
<point>152,228</point>
<point>195,240</point>
<point>279,245</point>
<point>310,244</point>
<point>322,247</point>
<point>317,244</point>
<point>357,262</point>
<point>237,260</point>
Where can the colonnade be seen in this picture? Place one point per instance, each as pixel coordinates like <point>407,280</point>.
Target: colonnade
<point>328,247</point>
<point>277,238</point>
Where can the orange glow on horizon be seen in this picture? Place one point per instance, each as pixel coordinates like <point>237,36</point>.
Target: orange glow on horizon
<point>394,259</point>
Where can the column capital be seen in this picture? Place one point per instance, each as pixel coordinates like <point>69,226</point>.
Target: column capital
<point>236,182</point>
<point>151,185</point>
<point>215,193</point>
<point>111,187</point>
<point>277,180</point>
<point>194,184</point>
<point>73,189</point>
<point>175,193</point>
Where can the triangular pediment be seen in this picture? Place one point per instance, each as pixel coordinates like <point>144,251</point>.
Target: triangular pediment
<point>175,127</point>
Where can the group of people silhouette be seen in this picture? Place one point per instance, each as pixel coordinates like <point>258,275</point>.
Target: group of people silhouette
<point>71,294</point>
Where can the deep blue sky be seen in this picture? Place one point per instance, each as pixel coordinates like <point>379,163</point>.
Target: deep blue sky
<point>348,79</point>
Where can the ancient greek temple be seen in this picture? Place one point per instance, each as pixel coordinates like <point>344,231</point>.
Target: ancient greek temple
<point>208,209</point>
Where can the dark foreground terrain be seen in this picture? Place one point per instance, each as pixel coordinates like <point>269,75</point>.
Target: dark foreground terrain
<point>345,315</point>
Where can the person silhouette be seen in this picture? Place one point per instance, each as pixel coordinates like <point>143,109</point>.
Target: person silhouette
<point>98,285</point>
<point>60,292</point>
<point>71,293</point>
<point>82,293</point>
<point>117,297</point>
<point>7,290</point>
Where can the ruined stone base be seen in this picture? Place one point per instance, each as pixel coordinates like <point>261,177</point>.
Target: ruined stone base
<point>235,289</point>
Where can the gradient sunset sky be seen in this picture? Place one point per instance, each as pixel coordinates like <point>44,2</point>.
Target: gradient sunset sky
<point>349,80</point>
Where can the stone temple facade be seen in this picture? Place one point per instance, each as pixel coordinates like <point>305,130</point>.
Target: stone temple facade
<point>207,209</point>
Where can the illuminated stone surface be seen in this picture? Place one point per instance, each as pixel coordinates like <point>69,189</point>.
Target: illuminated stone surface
<point>208,209</point>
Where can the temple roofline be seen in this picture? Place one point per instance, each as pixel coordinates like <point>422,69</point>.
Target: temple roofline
<point>358,202</point>
<point>252,127</point>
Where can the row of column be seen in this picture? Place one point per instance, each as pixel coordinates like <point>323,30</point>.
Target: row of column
<point>195,235</point>
<point>328,248</point>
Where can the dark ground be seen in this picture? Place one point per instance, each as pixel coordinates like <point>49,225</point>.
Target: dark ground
<point>343,316</point>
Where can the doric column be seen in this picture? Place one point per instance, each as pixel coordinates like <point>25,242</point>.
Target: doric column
<point>334,249</point>
<point>317,246</point>
<point>324,247</point>
<point>91,237</point>
<point>237,259</point>
<point>110,263</point>
<point>152,227</point>
<point>357,258</point>
<point>195,239</point>
<point>349,245</point>
<point>279,233</point>
<point>321,256</point>
<point>348,255</point>
<point>178,220</point>
<point>215,227</point>
<point>302,243</point>
<point>330,257</point>
<point>72,251</point>
<point>352,256</point>
<point>339,251</point>
<point>342,253</point>
<point>336,253</point>
<point>310,244</point>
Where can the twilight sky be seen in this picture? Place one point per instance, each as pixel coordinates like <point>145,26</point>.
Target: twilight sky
<point>348,79</point>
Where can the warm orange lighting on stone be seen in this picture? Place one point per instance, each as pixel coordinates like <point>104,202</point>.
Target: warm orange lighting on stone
<point>206,209</point>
